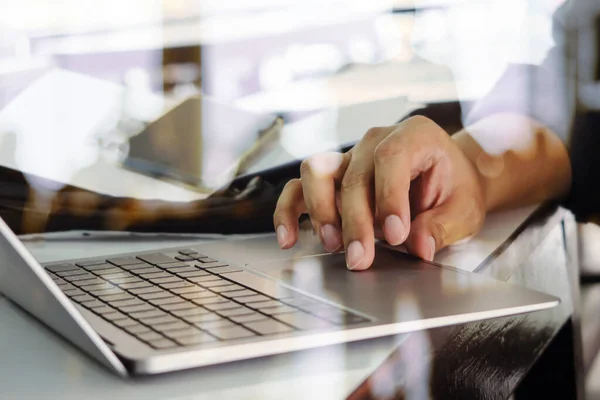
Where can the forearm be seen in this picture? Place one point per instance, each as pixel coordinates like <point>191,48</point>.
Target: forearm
<point>518,160</point>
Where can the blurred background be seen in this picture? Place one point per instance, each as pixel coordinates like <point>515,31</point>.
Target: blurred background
<point>99,72</point>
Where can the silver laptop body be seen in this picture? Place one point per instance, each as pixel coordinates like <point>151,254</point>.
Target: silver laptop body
<point>173,309</point>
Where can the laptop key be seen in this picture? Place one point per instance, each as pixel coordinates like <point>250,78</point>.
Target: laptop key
<point>114,316</point>
<point>162,344</point>
<point>212,323</point>
<point>121,261</point>
<point>82,298</point>
<point>111,277</point>
<point>90,262</point>
<point>68,286</point>
<point>135,267</point>
<point>203,279</point>
<point>149,269</point>
<point>87,282</point>
<point>73,292</point>
<point>135,285</point>
<point>240,293</point>
<point>67,274</point>
<point>79,277</point>
<point>116,297</point>
<point>194,340</point>
<point>191,311</point>
<point>136,308</point>
<point>136,329</point>
<point>193,274</point>
<point>156,258</point>
<point>148,289</point>
<point>156,275</point>
<point>148,336</point>
<point>171,326</point>
<point>199,320</point>
<point>104,310</point>
<point>230,333</point>
<point>223,270</point>
<point>167,300</point>
<point>92,304</point>
<point>163,319</point>
<point>226,288</point>
<point>205,260</point>
<point>187,252</point>
<point>167,279</point>
<point>220,282</point>
<point>200,294</point>
<point>123,323</point>
<point>185,258</point>
<point>189,289</point>
<point>103,292</point>
<point>178,306</point>
<point>221,306</point>
<point>235,312</point>
<point>92,268</point>
<point>124,280</point>
<point>147,314</point>
<point>213,300</point>
<point>104,286</point>
<point>303,321</point>
<point>126,303</point>
<point>180,284</point>
<point>61,267</point>
<point>156,295</point>
<point>60,281</point>
<point>183,269</point>
<point>170,266</point>
<point>240,319</point>
<point>109,271</point>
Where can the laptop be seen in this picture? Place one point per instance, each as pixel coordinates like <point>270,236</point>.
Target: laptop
<point>179,308</point>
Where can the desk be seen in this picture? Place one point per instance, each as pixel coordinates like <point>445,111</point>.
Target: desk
<point>488,359</point>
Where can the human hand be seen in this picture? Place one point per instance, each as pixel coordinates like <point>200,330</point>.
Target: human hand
<point>408,183</point>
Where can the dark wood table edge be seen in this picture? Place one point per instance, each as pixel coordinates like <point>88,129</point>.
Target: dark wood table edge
<point>566,343</point>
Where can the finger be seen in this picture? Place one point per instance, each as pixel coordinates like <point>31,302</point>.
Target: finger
<point>319,175</point>
<point>357,202</point>
<point>290,206</point>
<point>455,219</point>
<point>411,150</point>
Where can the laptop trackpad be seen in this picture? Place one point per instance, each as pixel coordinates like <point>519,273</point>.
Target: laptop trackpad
<point>394,277</point>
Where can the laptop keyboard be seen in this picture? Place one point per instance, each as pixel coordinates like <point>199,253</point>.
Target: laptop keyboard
<point>188,300</point>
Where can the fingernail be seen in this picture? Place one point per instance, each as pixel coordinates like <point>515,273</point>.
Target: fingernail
<point>331,236</point>
<point>431,241</point>
<point>282,235</point>
<point>354,254</point>
<point>394,230</point>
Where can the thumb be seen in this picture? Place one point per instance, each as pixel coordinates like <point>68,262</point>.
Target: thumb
<point>439,227</point>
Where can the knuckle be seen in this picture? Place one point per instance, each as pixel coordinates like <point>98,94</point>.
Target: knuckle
<point>372,134</point>
<point>386,151</point>
<point>354,180</point>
